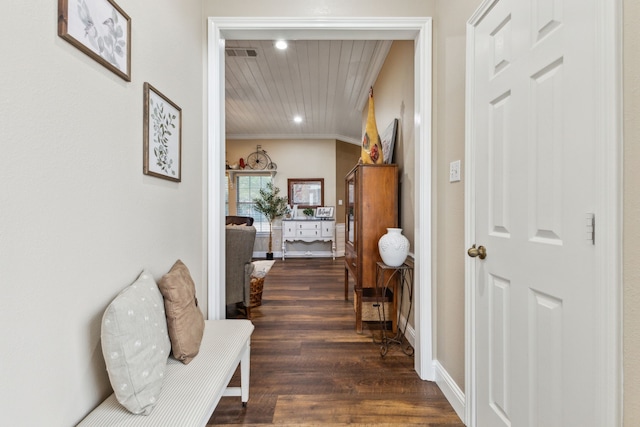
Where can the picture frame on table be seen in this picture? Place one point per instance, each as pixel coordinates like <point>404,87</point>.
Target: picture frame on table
<point>162,135</point>
<point>324,212</point>
<point>101,30</point>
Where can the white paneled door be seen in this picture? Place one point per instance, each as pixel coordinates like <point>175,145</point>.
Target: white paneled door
<point>534,120</point>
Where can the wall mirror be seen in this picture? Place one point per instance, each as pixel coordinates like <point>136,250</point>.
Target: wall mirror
<point>306,192</point>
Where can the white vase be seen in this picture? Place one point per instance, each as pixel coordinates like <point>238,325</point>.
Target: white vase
<point>393,247</point>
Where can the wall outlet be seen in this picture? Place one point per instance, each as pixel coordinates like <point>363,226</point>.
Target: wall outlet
<point>454,171</point>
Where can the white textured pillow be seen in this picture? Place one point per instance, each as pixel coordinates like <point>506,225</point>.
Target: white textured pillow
<point>135,344</point>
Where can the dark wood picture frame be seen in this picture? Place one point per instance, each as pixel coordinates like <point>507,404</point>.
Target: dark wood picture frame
<point>101,30</point>
<point>304,192</point>
<point>162,136</point>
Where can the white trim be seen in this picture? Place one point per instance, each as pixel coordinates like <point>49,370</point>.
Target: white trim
<point>410,332</point>
<point>215,174</point>
<point>450,389</point>
<point>387,28</point>
<point>470,229</point>
<point>609,222</point>
<point>609,173</point>
<point>423,242</point>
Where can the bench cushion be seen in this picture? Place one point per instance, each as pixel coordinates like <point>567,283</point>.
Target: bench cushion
<point>190,392</point>
<point>135,344</point>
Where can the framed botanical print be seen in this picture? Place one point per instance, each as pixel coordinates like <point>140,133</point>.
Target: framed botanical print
<point>162,134</point>
<point>100,29</point>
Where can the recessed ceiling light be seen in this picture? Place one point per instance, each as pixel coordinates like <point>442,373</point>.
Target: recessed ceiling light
<point>281,44</point>
<point>297,119</point>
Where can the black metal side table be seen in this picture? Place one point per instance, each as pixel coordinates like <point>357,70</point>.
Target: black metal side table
<point>400,281</point>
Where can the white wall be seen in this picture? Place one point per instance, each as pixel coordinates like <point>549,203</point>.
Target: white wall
<point>394,94</point>
<point>78,219</point>
<point>448,229</point>
<point>394,99</point>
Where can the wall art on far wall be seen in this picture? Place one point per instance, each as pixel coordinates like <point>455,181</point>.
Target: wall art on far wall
<point>99,28</point>
<point>162,131</point>
<point>388,139</point>
<point>306,192</point>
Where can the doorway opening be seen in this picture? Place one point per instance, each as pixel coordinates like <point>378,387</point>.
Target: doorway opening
<point>417,29</point>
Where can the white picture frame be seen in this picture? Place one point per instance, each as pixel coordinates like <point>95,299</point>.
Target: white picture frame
<point>324,212</point>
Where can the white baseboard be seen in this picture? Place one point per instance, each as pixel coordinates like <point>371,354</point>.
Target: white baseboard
<point>450,389</point>
<point>410,333</point>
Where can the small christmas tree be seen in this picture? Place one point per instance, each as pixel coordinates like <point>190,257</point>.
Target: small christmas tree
<point>271,206</point>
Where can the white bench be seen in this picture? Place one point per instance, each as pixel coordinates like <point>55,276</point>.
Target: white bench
<point>190,393</point>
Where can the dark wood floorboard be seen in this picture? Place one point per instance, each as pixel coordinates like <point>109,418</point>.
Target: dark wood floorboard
<point>310,367</point>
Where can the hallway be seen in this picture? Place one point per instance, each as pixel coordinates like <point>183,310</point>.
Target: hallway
<point>310,367</point>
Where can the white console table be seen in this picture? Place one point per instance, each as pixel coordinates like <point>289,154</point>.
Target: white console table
<point>308,230</point>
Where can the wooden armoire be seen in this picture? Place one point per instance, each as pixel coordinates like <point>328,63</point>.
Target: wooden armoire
<point>372,207</point>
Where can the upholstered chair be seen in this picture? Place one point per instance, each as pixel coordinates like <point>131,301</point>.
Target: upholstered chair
<point>238,220</point>
<point>239,251</point>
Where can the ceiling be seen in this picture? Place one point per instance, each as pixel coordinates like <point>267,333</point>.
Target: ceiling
<point>325,82</point>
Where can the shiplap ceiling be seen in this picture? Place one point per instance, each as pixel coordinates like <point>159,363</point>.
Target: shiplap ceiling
<point>326,83</point>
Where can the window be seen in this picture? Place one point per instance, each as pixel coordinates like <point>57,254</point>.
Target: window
<point>248,188</point>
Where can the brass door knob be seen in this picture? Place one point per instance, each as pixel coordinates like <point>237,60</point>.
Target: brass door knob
<point>480,252</point>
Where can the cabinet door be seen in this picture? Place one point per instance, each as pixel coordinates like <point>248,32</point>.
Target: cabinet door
<point>288,229</point>
<point>327,229</point>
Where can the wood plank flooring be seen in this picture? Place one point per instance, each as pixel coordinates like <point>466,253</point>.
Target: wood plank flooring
<point>310,367</point>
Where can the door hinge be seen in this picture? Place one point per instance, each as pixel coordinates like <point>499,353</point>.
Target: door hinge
<point>591,228</point>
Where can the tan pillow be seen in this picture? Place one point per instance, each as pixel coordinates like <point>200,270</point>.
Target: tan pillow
<point>185,321</point>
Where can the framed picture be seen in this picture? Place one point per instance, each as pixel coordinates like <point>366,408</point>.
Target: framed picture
<point>388,139</point>
<point>306,192</point>
<point>99,28</point>
<point>324,212</point>
<point>162,131</point>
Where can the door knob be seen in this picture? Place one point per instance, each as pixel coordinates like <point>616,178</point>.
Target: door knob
<point>480,252</point>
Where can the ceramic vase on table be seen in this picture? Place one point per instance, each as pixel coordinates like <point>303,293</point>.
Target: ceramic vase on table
<point>393,247</point>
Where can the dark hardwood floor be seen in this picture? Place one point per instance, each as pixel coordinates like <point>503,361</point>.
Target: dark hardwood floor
<point>310,367</point>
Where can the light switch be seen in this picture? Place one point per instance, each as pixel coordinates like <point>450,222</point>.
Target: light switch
<point>454,171</point>
<point>339,202</point>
